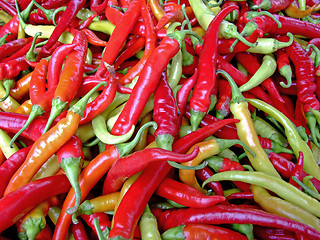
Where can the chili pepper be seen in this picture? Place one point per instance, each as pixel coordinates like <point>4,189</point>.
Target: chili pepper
<point>67,17</point>
<point>13,67</point>
<point>278,186</point>
<point>283,208</point>
<point>56,63</point>
<point>93,38</point>
<point>12,164</point>
<point>297,171</point>
<point>266,70</point>
<point>10,28</point>
<point>147,83</point>
<point>240,195</point>
<point>246,130</point>
<point>8,8</point>
<point>118,172</point>
<point>148,225</point>
<point>185,195</point>
<point>156,9</point>
<point>165,114</point>
<point>265,233</point>
<point>70,78</point>
<point>150,46</point>
<point>79,232</point>
<point>48,144</point>
<point>273,6</point>
<point>288,24</point>
<point>119,35</point>
<point>15,206</point>
<point>201,231</point>
<point>206,80</point>
<point>241,79</point>
<point>175,72</point>
<point>13,46</point>
<point>90,175</point>
<point>222,214</point>
<point>103,219</point>
<point>294,139</point>
<point>267,143</point>
<point>204,174</point>
<point>103,203</point>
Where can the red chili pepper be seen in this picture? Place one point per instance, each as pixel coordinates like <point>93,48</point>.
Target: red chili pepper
<point>206,81</point>
<point>100,103</point>
<point>119,35</point>
<point>267,143</point>
<point>67,17</point>
<point>146,85</point>
<point>12,28</point>
<point>226,214</point>
<point>203,174</point>
<point>250,62</point>
<point>292,25</point>
<point>13,46</point>
<point>272,6</point>
<point>70,78</point>
<point>165,114</point>
<point>13,67</point>
<point>127,166</point>
<point>8,8</point>
<point>151,41</point>
<point>186,195</point>
<point>93,38</point>
<point>19,202</point>
<point>10,166</point>
<point>297,171</point>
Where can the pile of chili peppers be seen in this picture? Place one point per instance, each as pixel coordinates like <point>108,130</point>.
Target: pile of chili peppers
<point>176,119</point>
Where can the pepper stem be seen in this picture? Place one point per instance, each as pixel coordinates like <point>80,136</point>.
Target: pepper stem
<point>31,54</point>
<point>7,84</point>
<point>265,5</point>
<point>165,141</point>
<point>84,208</point>
<point>286,71</point>
<point>126,148</point>
<point>227,143</point>
<point>3,39</point>
<point>35,112</point>
<point>33,226</point>
<point>57,107</point>
<point>196,118</point>
<point>71,167</point>
<point>312,123</point>
<point>24,15</point>
<point>48,13</point>
<point>237,96</point>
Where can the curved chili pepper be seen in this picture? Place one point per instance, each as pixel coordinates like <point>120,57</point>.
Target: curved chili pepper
<point>223,214</point>
<point>70,78</point>
<point>48,144</point>
<point>119,35</point>
<point>118,172</point>
<point>203,174</point>
<point>19,202</point>
<point>93,38</point>
<point>283,208</point>
<point>186,195</point>
<point>294,139</point>
<point>272,5</point>
<point>151,41</point>
<point>89,176</point>
<point>67,17</point>
<point>246,131</point>
<point>297,172</point>
<point>206,80</point>
<point>8,168</point>
<point>165,114</point>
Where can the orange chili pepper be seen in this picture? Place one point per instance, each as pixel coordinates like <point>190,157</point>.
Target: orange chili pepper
<point>21,87</point>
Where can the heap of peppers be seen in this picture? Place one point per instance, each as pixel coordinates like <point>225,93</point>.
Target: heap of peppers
<point>176,119</point>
